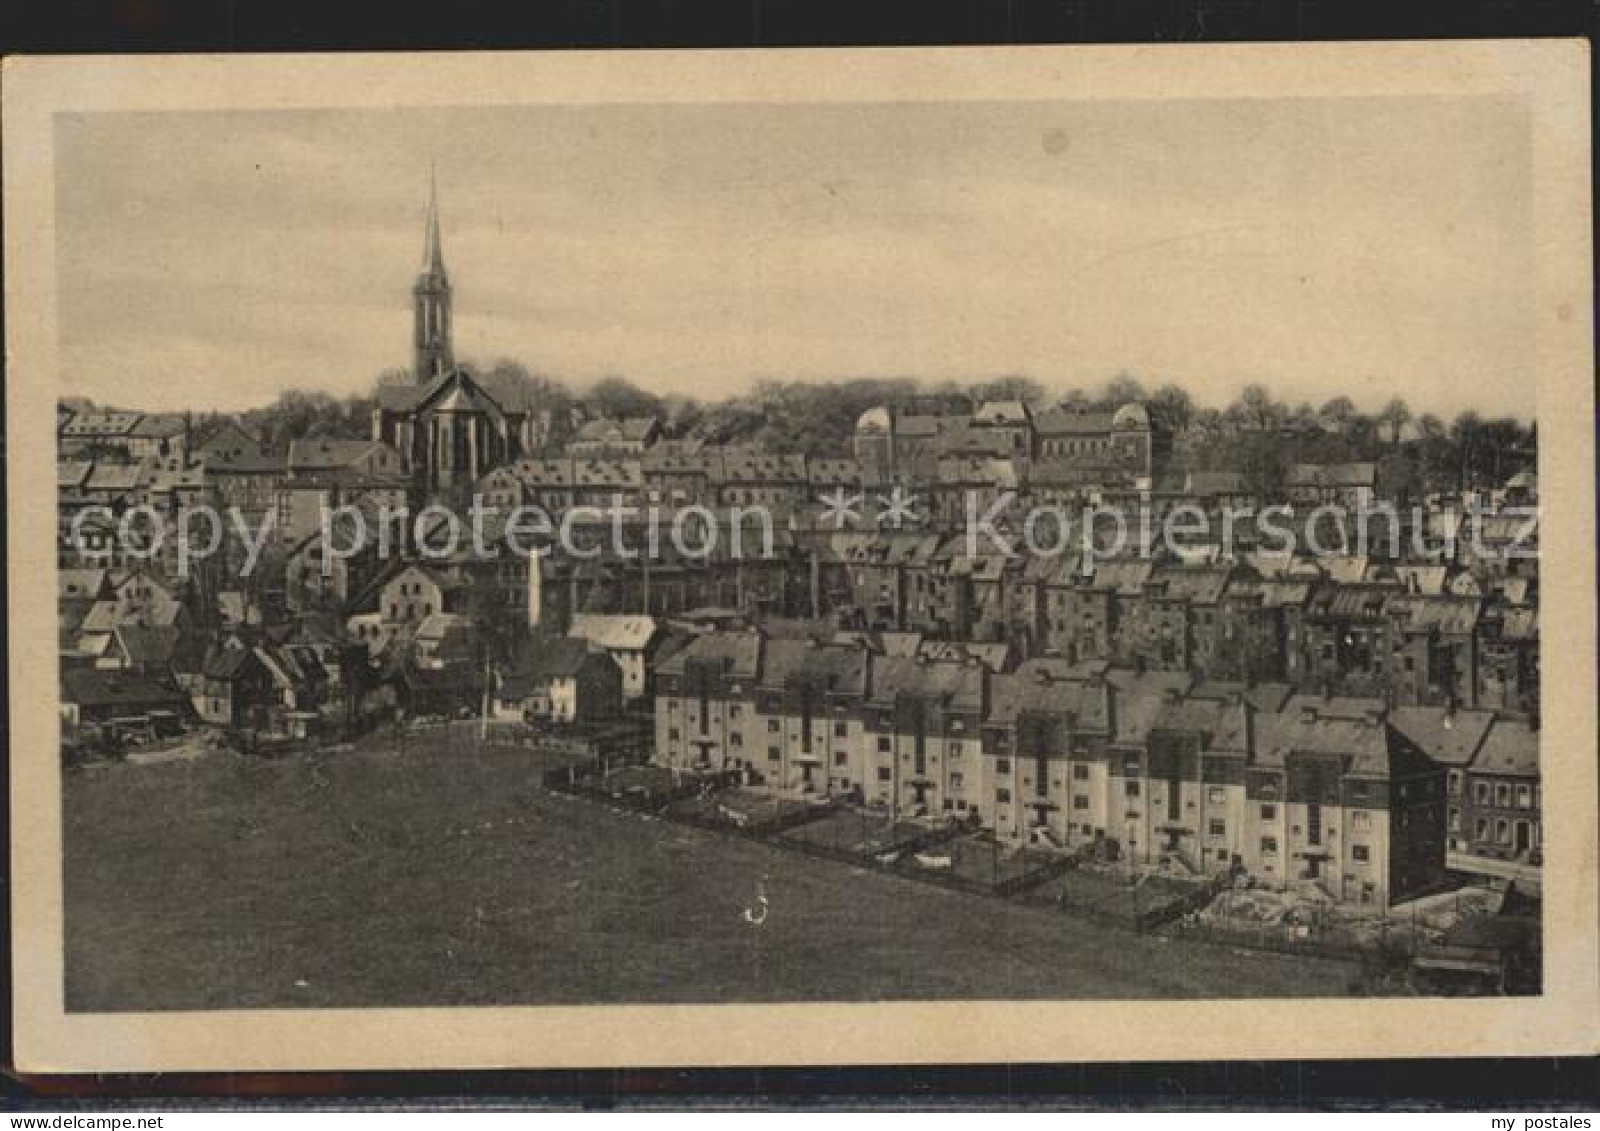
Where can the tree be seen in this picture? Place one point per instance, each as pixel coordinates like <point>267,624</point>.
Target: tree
<point>1256,408</point>
<point>615,398</point>
<point>1337,414</point>
<point>1015,388</point>
<point>1263,465</point>
<point>1466,433</point>
<point>1171,408</point>
<point>1396,415</point>
<point>1120,390</point>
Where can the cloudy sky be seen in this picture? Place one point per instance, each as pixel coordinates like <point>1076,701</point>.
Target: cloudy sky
<point>1364,246</point>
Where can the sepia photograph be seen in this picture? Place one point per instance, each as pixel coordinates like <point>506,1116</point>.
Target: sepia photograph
<point>1057,536</point>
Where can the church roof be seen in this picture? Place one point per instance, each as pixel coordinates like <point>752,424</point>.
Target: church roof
<point>455,391</point>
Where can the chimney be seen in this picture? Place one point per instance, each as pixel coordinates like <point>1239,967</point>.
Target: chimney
<point>1247,715</point>
<point>1109,691</point>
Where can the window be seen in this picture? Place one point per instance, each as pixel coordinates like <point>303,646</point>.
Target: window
<point>1002,765</point>
<point>1216,796</point>
<point>1360,820</point>
<point>1219,828</point>
<point>1480,829</point>
<point>1080,801</point>
<point>841,730</point>
<point>1455,820</point>
<point>772,754</point>
<point>955,749</point>
<point>1130,788</point>
<point>1269,812</point>
<point>1480,792</point>
<point>1502,795</point>
<point>735,711</point>
<point>773,726</point>
<point>840,758</point>
<point>884,745</point>
<point>1002,796</point>
<point>1502,831</point>
<point>1455,782</point>
<point>884,773</point>
<point>1269,846</point>
<point>736,739</point>
<point>955,781</point>
<point>1360,853</point>
<point>1524,797</point>
<point>1080,772</point>
<point>672,734</point>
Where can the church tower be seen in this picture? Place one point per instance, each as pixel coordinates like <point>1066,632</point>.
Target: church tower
<point>432,295</point>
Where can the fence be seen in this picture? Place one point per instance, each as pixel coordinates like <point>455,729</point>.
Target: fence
<point>1283,939</point>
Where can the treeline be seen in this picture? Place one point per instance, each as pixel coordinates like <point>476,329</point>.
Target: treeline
<point>1255,433</point>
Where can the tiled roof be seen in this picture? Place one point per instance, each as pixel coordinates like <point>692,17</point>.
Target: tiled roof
<point>628,633</point>
<point>1453,616</point>
<point>94,687</point>
<point>101,423</point>
<point>738,652</point>
<point>1002,412</point>
<point>1449,737</point>
<point>960,686</point>
<point>1511,747</point>
<point>1064,421</point>
<point>1333,475</point>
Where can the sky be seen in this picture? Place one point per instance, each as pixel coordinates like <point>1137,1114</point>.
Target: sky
<point>1365,247</point>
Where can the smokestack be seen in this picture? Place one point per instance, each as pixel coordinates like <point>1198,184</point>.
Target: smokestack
<point>1109,691</point>
<point>1247,715</point>
<point>535,589</point>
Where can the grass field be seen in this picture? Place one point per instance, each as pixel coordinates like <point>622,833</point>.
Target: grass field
<point>435,878</point>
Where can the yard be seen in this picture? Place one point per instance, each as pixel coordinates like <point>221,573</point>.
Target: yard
<point>431,877</point>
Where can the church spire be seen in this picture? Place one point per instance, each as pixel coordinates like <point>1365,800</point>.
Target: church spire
<point>434,353</point>
<point>433,248</point>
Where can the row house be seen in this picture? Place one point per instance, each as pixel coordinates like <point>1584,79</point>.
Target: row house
<point>752,477</point>
<point>1351,486</point>
<point>608,484</point>
<point>975,485</point>
<point>895,444</point>
<point>678,473</point>
<point>1173,623</point>
<point>1010,423</point>
<point>159,437</point>
<point>1508,660</point>
<point>922,736</point>
<point>704,694</point>
<point>96,432</point>
<point>304,502</point>
<point>328,567</point>
<point>825,475</point>
<point>1501,543</point>
<point>1492,782</point>
<point>1122,439</point>
<point>1307,793</point>
<point>804,728</point>
<point>1435,649</point>
<point>631,435</point>
<point>545,483</point>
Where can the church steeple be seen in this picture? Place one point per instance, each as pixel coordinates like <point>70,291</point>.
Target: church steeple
<point>434,354</point>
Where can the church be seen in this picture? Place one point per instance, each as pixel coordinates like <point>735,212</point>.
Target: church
<point>447,428</point>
